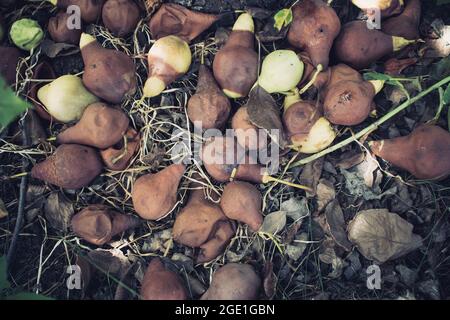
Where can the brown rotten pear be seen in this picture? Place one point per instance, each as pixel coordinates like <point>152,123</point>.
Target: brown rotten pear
<point>100,126</point>
<point>234,281</point>
<point>173,19</point>
<point>202,224</point>
<point>120,16</point>
<point>314,27</point>
<point>72,166</point>
<point>98,224</point>
<point>406,24</point>
<point>159,283</point>
<point>241,201</point>
<point>154,195</point>
<point>350,102</point>
<point>359,47</point>
<point>208,107</point>
<point>109,74</point>
<point>425,153</point>
<point>247,134</point>
<point>236,64</point>
<point>59,31</point>
<point>119,156</point>
<point>90,10</point>
<point>168,59</point>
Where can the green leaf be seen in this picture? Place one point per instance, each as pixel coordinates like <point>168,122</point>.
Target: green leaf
<point>388,80</point>
<point>282,18</point>
<point>11,106</point>
<point>27,296</point>
<point>4,284</point>
<point>447,95</point>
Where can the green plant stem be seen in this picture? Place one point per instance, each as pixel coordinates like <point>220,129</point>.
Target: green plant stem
<point>373,126</point>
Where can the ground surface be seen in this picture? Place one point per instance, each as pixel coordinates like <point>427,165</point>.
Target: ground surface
<point>300,262</point>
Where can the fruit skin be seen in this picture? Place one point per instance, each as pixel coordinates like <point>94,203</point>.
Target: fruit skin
<point>425,152</point>
<point>208,105</point>
<point>111,154</point>
<point>241,201</point>
<point>174,19</point>
<point>98,224</point>
<point>314,27</point>
<point>120,16</point>
<point>168,59</point>
<point>100,126</point>
<point>71,167</point>
<point>406,24</point>
<point>90,9</point>
<point>234,281</point>
<point>26,34</point>
<point>235,66</point>
<point>8,63</point>
<point>160,283</point>
<point>154,195</point>
<point>109,74</point>
<point>359,47</point>
<point>66,98</point>
<point>247,134</point>
<point>59,32</point>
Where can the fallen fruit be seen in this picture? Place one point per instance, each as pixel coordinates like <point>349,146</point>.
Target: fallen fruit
<point>154,195</point>
<point>90,10</point>
<point>108,73</point>
<point>26,34</point>
<point>234,281</point>
<point>8,63</point>
<point>119,156</point>
<point>120,16</point>
<point>359,47</point>
<point>406,24</point>
<point>168,59</point>
<point>247,134</point>
<point>314,27</point>
<point>71,167</point>
<point>59,30</point>
<point>235,66</point>
<point>176,20</point>
<point>160,283</point>
<point>208,108</point>
<point>98,224</point>
<point>425,153</point>
<point>42,71</point>
<point>241,201</point>
<point>100,126</point>
<point>66,98</point>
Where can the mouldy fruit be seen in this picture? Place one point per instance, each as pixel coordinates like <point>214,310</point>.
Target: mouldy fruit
<point>281,71</point>
<point>173,19</point>
<point>308,130</point>
<point>8,63</point>
<point>234,281</point>
<point>154,195</point>
<point>120,16</point>
<point>247,134</point>
<point>425,153</point>
<point>387,7</point>
<point>60,32</point>
<point>160,283</point>
<point>359,47</point>
<point>119,156</point>
<point>109,74</point>
<point>168,59</point>
<point>202,224</point>
<point>90,10</point>
<point>236,64</point>
<point>406,24</point>
<point>314,27</point>
<point>241,201</point>
<point>66,98</point>
<point>349,102</point>
<point>71,167</point>
<point>26,34</point>
<point>336,74</point>
<point>100,126</point>
<point>208,107</point>
<point>98,224</point>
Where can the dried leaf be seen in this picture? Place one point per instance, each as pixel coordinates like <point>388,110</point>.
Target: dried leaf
<point>357,187</point>
<point>270,280</point>
<point>325,193</point>
<point>350,160</point>
<point>440,47</point>
<point>274,222</point>
<point>52,49</point>
<point>58,211</point>
<point>110,261</point>
<point>381,235</point>
<point>3,211</point>
<point>369,171</point>
<point>295,208</point>
<point>336,225</point>
<point>298,246</point>
<point>310,176</point>
<point>329,256</point>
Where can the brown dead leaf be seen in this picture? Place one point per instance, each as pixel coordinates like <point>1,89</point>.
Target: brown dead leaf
<point>58,211</point>
<point>381,235</point>
<point>336,225</point>
<point>369,171</point>
<point>270,280</point>
<point>325,193</point>
<point>110,261</point>
<point>310,176</point>
<point>350,160</point>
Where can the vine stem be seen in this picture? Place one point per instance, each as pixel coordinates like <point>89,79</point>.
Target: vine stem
<point>373,126</point>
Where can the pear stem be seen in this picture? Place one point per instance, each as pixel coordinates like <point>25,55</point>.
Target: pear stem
<point>19,175</point>
<point>266,179</point>
<point>373,126</point>
<point>319,69</point>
